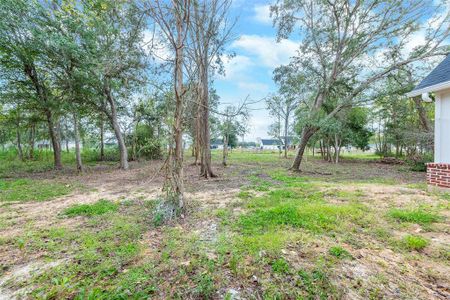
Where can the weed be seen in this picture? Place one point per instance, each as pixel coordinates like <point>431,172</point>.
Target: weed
<point>280,266</point>
<point>418,216</point>
<point>315,284</point>
<point>205,285</point>
<point>339,252</point>
<point>414,242</point>
<point>244,195</point>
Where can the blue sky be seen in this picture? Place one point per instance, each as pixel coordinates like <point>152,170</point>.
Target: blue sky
<point>249,73</point>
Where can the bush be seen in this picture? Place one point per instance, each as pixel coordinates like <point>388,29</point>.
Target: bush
<point>419,163</point>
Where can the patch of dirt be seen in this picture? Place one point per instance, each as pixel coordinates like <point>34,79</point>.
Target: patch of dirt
<point>21,273</point>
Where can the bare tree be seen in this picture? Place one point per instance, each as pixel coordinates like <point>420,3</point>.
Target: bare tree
<point>282,107</point>
<point>354,44</point>
<point>173,19</point>
<point>210,30</point>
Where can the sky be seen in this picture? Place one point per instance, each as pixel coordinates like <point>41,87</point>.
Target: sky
<point>249,72</point>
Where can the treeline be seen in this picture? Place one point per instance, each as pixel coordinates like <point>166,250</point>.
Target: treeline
<point>137,74</point>
<point>355,62</point>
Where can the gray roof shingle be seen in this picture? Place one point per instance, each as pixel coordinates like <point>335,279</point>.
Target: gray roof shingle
<point>440,74</point>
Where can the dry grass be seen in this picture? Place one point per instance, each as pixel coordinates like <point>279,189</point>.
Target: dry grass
<point>256,231</point>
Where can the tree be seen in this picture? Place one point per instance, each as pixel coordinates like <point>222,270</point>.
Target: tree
<point>209,32</point>
<point>351,45</point>
<point>116,55</point>
<point>173,19</point>
<point>232,124</point>
<point>22,61</point>
<point>282,107</point>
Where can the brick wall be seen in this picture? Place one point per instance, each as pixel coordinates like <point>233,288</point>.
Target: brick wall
<point>438,174</point>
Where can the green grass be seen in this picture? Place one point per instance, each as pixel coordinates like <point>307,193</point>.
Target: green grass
<point>98,208</point>
<point>339,252</point>
<point>98,258</point>
<point>31,190</point>
<point>414,242</point>
<point>418,216</point>
<point>11,166</point>
<point>280,266</point>
<point>315,217</point>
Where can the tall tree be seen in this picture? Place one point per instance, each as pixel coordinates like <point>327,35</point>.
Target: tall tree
<point>210,30</point>
<point>173,18</point>
<point>22,60</point>
<point>282,107</point>
<point>352,45</point>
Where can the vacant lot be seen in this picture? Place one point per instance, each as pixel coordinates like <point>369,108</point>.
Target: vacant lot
<point>356,230</point>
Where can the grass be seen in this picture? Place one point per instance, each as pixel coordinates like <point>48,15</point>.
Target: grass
<point>418,216</point>
<point>98,256</point>
<point>339,252</point>
<point>31,190</point>
<point>98,208</point>
<point>288,236</point>
<point>315,217</point>
<point>11,166</point>
<point>414,242</point>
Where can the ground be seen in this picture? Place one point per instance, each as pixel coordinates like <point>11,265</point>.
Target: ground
<point>357,230</point>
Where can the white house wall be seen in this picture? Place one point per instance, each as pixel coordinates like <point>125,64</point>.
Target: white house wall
<point>442,127</point>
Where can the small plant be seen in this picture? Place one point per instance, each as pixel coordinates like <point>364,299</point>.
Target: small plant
<point>414,242</point>
<point>339,252</point>
<point>280,266</point>
<point>417,216</point>
<point>205,285</point>
<point>98,208</point>
<point>244,195</point>
<point>315,284</point>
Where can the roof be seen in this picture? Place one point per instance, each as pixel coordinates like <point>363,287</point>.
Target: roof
<point>270,142</point>
<point>437,80</point>
<point>290,139</point>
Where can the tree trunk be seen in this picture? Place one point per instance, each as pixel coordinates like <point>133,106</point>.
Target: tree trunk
<point>55,140</point>
<point>31,141</point>
<point>77,143</point>
<point>225,150</point>
<point>205,134</point>
<point>19,143</point>
<point>102,140</point>
<point>112,115</point>
<point>307,133</point>
<point>286,127</point>
<point>67,137</point>
<point>174,185</point>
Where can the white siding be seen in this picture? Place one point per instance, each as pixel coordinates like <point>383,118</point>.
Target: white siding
<point>442,128</point>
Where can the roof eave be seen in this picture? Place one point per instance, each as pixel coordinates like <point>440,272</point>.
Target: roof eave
<point>432,88</point>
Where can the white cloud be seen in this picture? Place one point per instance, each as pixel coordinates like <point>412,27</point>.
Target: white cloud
<point>153,43</point>
<point>262,14</point>
<point>236,66</point>
<point>268,52</point>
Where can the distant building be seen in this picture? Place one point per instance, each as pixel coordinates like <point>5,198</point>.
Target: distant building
<point>216,144</point>
<point>269,144</point>
<point>291,142</point>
